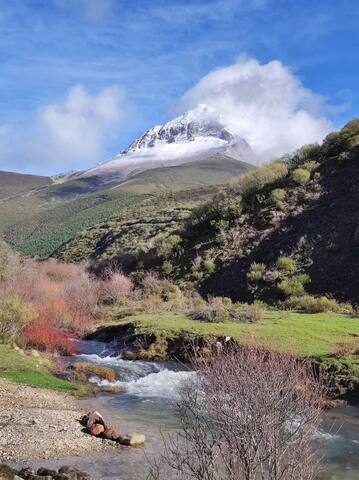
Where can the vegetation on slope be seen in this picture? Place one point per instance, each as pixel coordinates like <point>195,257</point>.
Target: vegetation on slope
<point>17,183</point>
<point>266,234</point>
<point>39,223</point>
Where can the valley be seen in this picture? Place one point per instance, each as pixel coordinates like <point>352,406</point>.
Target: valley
<point>112,285</point>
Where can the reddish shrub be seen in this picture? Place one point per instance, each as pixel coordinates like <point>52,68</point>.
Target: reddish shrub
<point>61,314</point>
<point>46,337</point>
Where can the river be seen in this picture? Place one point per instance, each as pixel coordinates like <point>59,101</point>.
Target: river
<point>148,406</point>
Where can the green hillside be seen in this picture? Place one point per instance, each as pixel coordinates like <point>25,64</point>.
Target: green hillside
<point>17,183</point>
<point>40,223</point>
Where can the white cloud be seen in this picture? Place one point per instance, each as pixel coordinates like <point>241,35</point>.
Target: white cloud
<point>66,135</point>
<point>264,103</point>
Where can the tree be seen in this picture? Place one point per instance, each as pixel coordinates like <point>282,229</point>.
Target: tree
<point>248,414</point>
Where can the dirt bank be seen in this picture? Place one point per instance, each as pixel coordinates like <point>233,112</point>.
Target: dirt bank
<point>41,424</point>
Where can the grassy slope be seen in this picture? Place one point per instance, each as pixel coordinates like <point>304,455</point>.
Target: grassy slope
<point>39,224</point>
<point>15,183</point>
<point>35,371</point>
<point>194,174</point>
<point>303,334</point>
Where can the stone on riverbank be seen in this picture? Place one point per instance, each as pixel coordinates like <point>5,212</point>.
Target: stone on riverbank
<point>112,433</point>
<point>133,439</point>
<point>96,430</point>
<point>97,427</point>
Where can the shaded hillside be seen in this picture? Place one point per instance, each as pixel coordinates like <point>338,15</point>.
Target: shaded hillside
<point>17,183</point>
<point>314,221</point>
<point>276,233</point>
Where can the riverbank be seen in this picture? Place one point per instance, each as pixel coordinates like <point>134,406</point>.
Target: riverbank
<point>328,340</point>
<point>42,424</point>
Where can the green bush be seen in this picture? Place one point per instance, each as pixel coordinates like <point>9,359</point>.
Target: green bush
<point>222,211</point>
<point>305,154</point>
<point>167,267</point>
<point>277,197</point>
<point>310,166</point>
<point>249,314</point>
<point>294,286</point>
<point>286,265</point>
<point>209,265</point>
<point>254,180</point>
<point>256,272</point>
<point>300,176</point>
<point>165,244</point>
<point>310,304</point>
<point>14,315</point>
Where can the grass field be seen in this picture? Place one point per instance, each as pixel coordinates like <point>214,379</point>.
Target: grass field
<point>299,333</point>
<point>34,371</point>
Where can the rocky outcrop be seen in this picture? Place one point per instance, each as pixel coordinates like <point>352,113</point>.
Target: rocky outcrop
<point>96,426</point>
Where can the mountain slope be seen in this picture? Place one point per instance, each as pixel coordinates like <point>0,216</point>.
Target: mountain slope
<point>274,233</point>
<point>309,213</point>
<point>17,183</point>
<point>37,226</point>
<point>177,191</point>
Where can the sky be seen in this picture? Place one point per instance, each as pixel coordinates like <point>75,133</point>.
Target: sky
<point>81,79</point>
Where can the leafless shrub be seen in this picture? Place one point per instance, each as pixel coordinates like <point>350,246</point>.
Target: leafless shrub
<point>115,287</point>
<point>249,414</point>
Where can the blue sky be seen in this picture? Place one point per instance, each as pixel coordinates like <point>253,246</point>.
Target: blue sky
<point>141,57</point>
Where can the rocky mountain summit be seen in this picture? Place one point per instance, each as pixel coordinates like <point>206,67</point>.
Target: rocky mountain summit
<point>199,134</point>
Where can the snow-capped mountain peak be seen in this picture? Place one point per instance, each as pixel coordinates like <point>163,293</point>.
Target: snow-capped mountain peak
<point>203,122</point>
<point>198,134</point>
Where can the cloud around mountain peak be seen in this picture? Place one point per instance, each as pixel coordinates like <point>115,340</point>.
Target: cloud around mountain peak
<point>264,103</point>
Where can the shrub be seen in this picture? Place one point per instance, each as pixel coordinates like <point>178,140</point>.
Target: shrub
<point>224,210</point>
<point>116,287</point>
<point>305,154</point>
<point>13,316</point>
<point>151,282</point>
<point>294,286</point>
<point>310,304</point>
<point>210,315</point>
<point>310,166</point>
<point>167,267</point>
<point>209,265</point>
<point>286,265</point>
<point>61,314</point>
<point>256,272</point>
<point>45,337</point>
<point>300,176</point>
<point>165,244</point>
<point>255,180</point>
<point>250,314</point>
<point>277,197</point>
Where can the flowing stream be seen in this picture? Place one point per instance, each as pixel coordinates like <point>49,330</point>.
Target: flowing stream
<point>148,406</point>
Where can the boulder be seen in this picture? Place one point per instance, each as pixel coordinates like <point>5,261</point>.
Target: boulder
<point>112,433</point>
<point>72,473</point>
<point>26,473</point>
<point>43,472</point>
<point>128,355</point>
<point>133,439</point>
<point>96,429</point>
<point>92,418</point>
